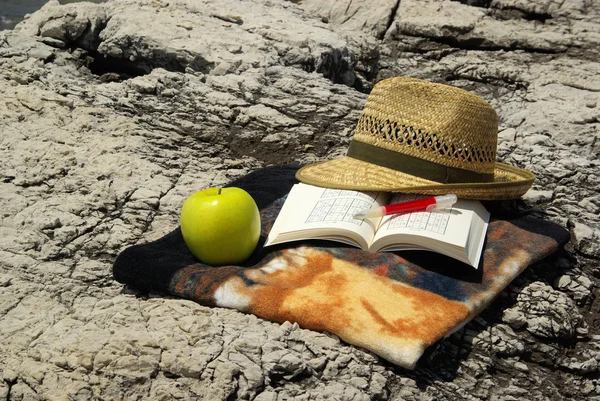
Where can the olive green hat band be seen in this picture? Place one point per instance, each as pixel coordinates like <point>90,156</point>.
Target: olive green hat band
<point>413,165</point>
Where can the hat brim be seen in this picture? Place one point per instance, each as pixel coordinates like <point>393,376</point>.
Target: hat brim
<point>349,173</point>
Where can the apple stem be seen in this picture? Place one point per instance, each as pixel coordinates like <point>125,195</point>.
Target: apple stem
<point>220,191</point>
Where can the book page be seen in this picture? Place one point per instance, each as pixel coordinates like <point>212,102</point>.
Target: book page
<point>421,230</point>
<point>315,212</point>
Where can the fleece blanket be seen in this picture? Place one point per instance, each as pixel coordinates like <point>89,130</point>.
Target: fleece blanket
<point>394,304</point>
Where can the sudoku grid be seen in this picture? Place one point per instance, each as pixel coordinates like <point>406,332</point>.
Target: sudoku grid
<point>331,208</point>
<point>436,222</point>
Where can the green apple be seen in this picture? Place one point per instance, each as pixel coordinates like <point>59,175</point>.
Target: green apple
<point>220,225</point>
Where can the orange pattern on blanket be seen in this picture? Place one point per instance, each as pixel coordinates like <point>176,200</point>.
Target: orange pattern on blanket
<point>321,292</point>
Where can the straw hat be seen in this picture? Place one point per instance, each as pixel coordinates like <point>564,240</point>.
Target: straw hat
<point>416,136</point>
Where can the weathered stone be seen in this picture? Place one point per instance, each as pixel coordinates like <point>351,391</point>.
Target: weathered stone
<point>112,113</point>
<point>370,16</point>
<point>545,312</point>
<point>587,239</point>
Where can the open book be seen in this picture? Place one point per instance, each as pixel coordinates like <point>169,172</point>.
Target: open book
<point>311,212</point>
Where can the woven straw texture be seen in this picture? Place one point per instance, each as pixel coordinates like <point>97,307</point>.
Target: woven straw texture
<point>435,122</point>
<point>349,173</point>
<point>438,123</point>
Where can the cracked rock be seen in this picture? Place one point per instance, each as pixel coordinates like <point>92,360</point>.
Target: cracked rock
<point>545,312</point>
<point>111,114</point>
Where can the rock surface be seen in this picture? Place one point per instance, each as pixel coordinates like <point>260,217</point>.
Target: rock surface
<point>112,113</point>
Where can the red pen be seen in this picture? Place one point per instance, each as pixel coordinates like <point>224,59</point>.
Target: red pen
<point>420,205</point>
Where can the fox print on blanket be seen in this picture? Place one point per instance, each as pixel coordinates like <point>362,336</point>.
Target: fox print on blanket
<point>321,292</point>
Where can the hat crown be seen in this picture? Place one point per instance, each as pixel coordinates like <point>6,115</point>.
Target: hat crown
<point>439,123</point>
